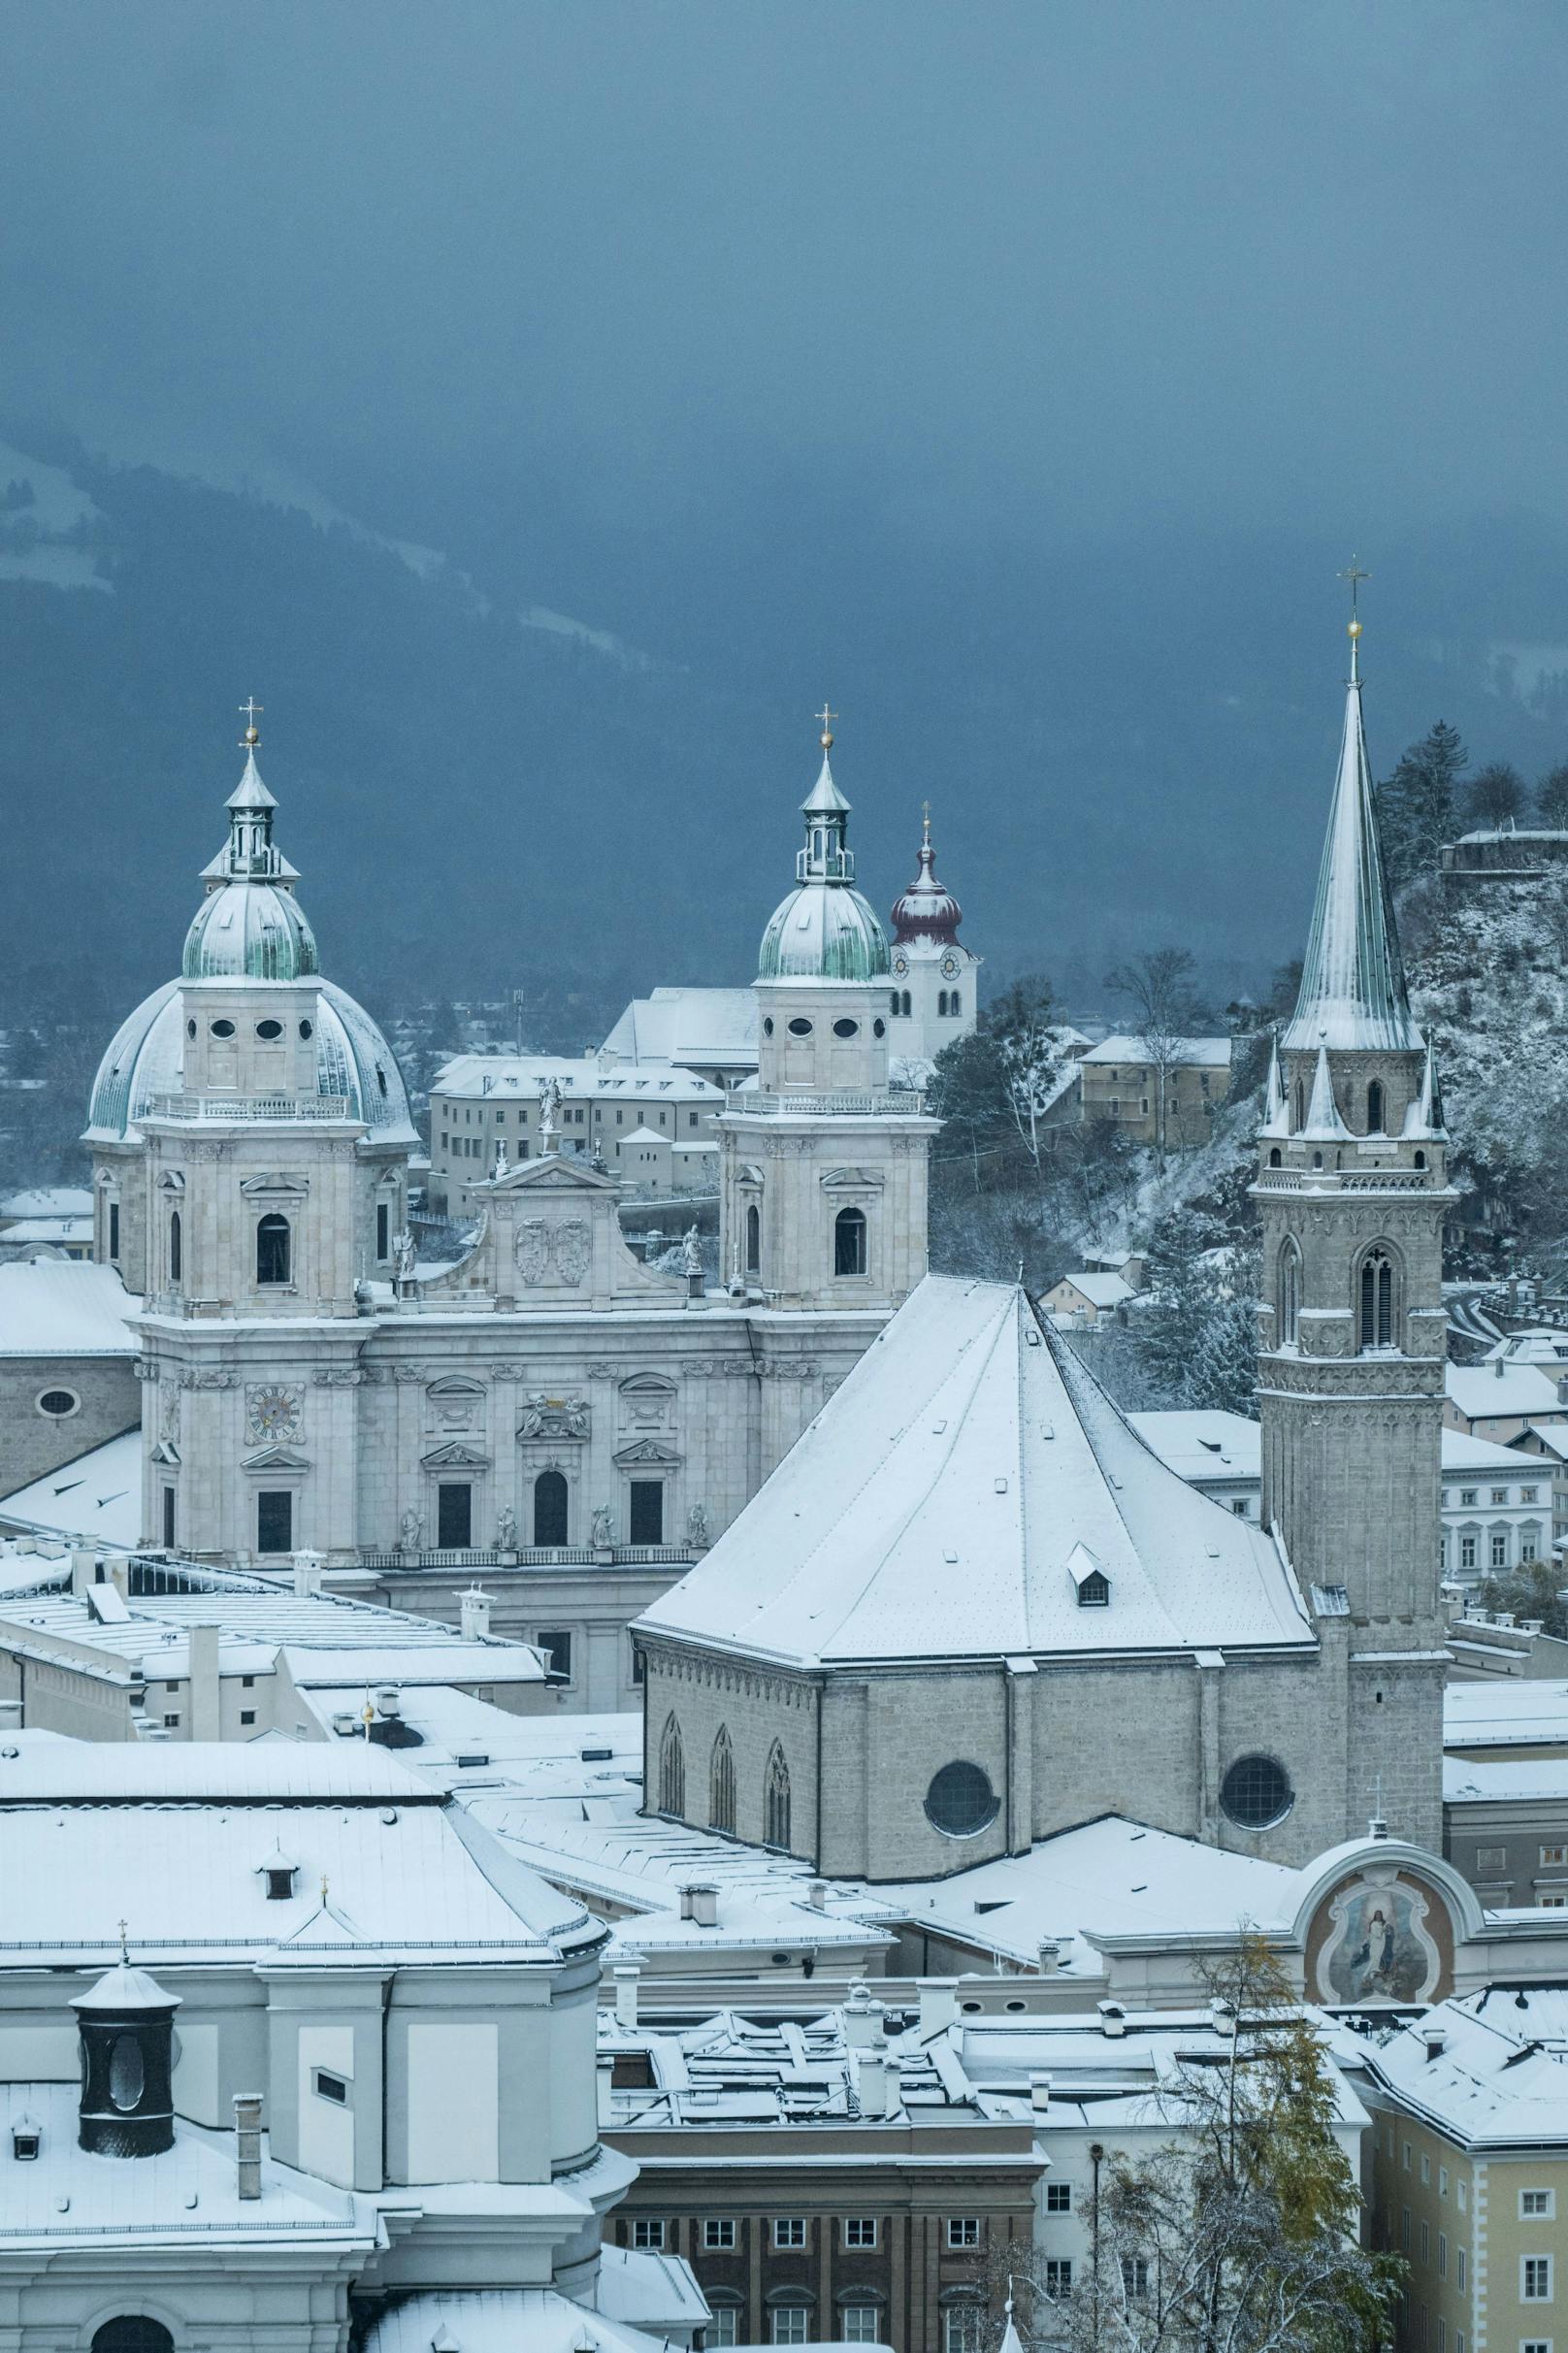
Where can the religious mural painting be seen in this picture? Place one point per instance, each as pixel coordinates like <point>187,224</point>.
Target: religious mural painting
<point>1380,1945</point>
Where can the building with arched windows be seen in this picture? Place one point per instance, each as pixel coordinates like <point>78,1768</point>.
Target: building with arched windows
<point>933,993</point>
<point>547,1409</point>
<point>974,1607</point>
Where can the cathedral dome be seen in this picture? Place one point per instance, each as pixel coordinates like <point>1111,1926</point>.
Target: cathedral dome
<point>825,929</point>
<point>249,930</point>
<point>926,910</point>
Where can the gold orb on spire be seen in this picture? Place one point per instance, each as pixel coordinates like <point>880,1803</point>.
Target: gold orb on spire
<point>826,717</point>
<point>1352,629</point>
<point>250,711</point>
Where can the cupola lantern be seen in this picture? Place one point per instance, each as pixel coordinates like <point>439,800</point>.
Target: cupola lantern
<point>126,2024</point>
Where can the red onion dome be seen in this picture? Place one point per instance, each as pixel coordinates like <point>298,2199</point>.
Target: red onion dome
<point>926,910</point>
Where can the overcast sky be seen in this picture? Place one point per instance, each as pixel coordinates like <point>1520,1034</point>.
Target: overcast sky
<point>1059,283</point>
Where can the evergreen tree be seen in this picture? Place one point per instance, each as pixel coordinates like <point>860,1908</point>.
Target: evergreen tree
<point>969,1091</point>
<point>1417,803</point>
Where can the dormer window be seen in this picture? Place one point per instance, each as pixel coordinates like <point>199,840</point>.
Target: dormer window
<point>1094,1590</point>
<point>25,2136</point>
<point>279,1873</point>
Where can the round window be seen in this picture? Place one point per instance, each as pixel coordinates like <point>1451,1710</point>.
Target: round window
<point>846,1029</point>
<point>960,1801</point>
<point>270,1031</point>
<point>1256,1792</point>
<point>306,1029</point>
<point>879,1029</point>
<point>223,1029</point>
<point>800,1027</point>
<point>58,1402</point>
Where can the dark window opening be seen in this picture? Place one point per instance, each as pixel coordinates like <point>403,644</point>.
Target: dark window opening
<point>1373,1108</point>
<point>846,1029</point>
<point>273,1252</point>
<point>57,1402</point>
<point>721,1784</point>
<point>800,1027</point>
<point>557,1649</point>
<point>1094,1592</point>
<point>176,1251</point>
<point>671,1770</point>
<point>279,1882</point>
<point>133,2333</point>
<point>647,1511</point>
<point>168,1518</point>
<point>328,2086</point>
<point>1377,1302</point>
<point>454,1515</point>
<point>274,1520</point>
<point>776,1800</point>
<point>849,1242</point>
<point>269,1032</point>
<point>960,1801</point>
<point>550,1508</point>
<point>754,1239</point>
<point>223,1029</point>
<point>383,1229</point>
<point>1256,1792</point>
<point>113,1229</point>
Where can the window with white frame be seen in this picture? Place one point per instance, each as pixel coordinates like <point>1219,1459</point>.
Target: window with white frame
<point>1135,2276</point>
<point>1553,1858</point>
<point>789,2231</point>
<point>859,2324</point>
<point>724,2328</point>
<point>1467,1497</point>
<point>790,2323</point>
<point>647,2231</point>
<point>1535,2279</point>
<point>962,2328</point>
<point>1527,2344</point>
<point>1058,2196</point>
<point>719,2232</point>
<point>860,2230</point>
<point>1538,2205</point>
<point>1499,1548</point>
<point>964,2230</point>
<point>1500,1494</point>
<point>1059,2277</point>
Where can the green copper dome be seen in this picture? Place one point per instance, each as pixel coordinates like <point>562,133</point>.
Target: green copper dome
<point>825,929</point>
<point>255,930</point>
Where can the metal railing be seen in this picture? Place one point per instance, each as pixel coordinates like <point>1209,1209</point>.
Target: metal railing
<point>535,1556</point>
<point>1348,1180</point>
<point>901,1104</point>
<point>250,1108</point>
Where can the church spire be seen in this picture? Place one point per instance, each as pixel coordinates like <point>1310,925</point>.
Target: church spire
<point>1353,984</point>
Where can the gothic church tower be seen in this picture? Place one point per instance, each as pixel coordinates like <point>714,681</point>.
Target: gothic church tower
<point>1352,1192</point>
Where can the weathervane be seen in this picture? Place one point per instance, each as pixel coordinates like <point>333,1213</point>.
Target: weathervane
<point>826,718</point>
<point>249,710</point>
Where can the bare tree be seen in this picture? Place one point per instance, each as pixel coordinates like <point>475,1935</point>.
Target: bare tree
<point>1551,799</point>
<point>1158,986</point>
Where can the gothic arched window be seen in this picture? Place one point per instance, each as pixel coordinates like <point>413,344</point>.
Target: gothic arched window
<point>133,2333</point>
<point>941,1004</point>
<point>1290,1298</point>
<point>176,1251</point>
<point>1373,1108</point>
<point>754,1239</point>
<point>776,1800</point>
<point>550,1508</point>
<point>908,1001</point>
<point>720,1787</point>
<point>1300,1106</point>
<point>272,1254</point>
<point>1377,1300</point>
<point>849,1242</point>
<point>893,1003</point>
<point>671,1768</point>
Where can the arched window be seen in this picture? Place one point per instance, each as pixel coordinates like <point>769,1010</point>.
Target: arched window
<point>754,1239</point>
<point>1374,1107</point>
<point>1274,1158</point>
<point>1377,1300</point>
<point>776,1800</point>
<point>721,1803</point>
<point>273,1252</point>
<point>1300,1106</point>
<point>176,1252</point>
<point>908,1001</point>
<point>941,1004</point>
<point>671,1770</point>
<point>550,1508</point>
<point>1290,1295</point>
<point>849,1242</point>
<point>893,1003</point>
<point>955,1004</point>
<point>133,2333</point>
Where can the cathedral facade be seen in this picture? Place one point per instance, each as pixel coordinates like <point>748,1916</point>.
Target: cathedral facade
<point>973,1608</point>
<point>548,1407</point>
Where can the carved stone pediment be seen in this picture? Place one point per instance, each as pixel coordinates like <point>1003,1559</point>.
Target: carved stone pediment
<point>268,1187</point>
<point>647,1450</point>
<point>276,1459</point>
<point>455,1457</point>
<point>852,1180</point>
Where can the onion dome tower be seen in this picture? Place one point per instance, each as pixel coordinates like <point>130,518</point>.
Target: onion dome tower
<point>1352,1193</point>
<point>126,2024</point>
<point>821,1199</point>
<point>933,977</point>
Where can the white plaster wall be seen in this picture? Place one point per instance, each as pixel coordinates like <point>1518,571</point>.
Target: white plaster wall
<point>454,2124</point>
<point>326,2135</point>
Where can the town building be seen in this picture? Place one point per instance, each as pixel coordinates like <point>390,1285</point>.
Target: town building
<point>67,1366</point>
<point>1120,1080</point>
<point>934,996</point>
<point>1085,1301</point>
<point>482,1105</point>
<point>710,1031</point>
<point>1504,1399</point>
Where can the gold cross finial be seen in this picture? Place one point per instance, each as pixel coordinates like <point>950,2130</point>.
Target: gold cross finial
<point>924,820</point>
<point>826,717</point>
<point>1356,575</point>
<point>249,710</point>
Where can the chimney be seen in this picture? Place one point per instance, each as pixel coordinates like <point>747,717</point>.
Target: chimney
<point>307,1573</point>
<point>626,1974</point>
<point>816,1895</point>
<point>701,1905</point>
<point>247,2142</point>
<point>474,1611</point>
<point>389,1701</point>
<point>1497,1366</point>
<point>863,2019</point>
<point>871,2082</point>
<point>1112,2019</point>
<point>206,1720</point>
<point>1050,1956</point>
<point>938,2004</point>
<point>1039,2094</point>
<point>1435,2039</point>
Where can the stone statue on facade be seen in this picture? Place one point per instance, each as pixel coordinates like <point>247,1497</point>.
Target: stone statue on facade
<point>411,1531</point>
<point>403,1244</point>
<point>691,1253</point>
<point>550,1092</point>
<point>505,1530</point>
<point>697,1535</point>
<point>603,1534</point>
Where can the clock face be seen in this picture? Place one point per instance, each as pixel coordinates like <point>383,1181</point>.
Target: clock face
<point>272,1412</point>
<point>901,965</point>
<point>950,964</point>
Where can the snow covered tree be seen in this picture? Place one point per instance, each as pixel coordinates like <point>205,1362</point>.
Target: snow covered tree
<point>1196,1327</point>
<point>1418,805</point>
<point>1239,2235</point>
<point>1030,1043</point>
<point>1158,986</point>
<point>1494,795</point>
<point>1551,799</point>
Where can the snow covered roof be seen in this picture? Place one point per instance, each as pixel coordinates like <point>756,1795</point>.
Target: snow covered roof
<point>1501,1390</point>
<point>1544,1345</point>
<point>1503,1714</point>
<point>1099,1289</point>
<point>502,2320</point>
<point>97,1496</point>
<point>508,1078</point>
<point>47,1201</point>
<point>1192,1053</point>
<point>60,1307</point>
<point>687,1025</point>
<point>1353,982</point>
<point>1503,1780</point>
<point>1499,2078</point>
<point>932,1507</point>
<point>1204,1445</point>
<point>1461,1452</point>
<point>643,1135</point>
<point>74,1228</point>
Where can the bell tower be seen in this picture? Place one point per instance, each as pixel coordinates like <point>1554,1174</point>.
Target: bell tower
<point>1352,1193</point>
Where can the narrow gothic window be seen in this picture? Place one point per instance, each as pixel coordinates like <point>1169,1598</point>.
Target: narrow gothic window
<point>893,1003</point>
<point>671,1770</point>
<point>1377,1302</point>
<point>754,1239</point>
<point>907,1001</point>
<point>175,1253</point>
<point>273,1249</point>
<point>1373,1108</point>
<point>941,1004</point>
<point>1289,1293</point>
<point>849,1242</point>
<point>1300,1106</point>
<point>721,1784</point>
<point>550,1508</point>
<point>776,1800</point>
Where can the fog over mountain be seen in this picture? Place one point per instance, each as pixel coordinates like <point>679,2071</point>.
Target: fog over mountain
<point>539,410</point>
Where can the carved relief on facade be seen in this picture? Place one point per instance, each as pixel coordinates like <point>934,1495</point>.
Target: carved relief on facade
<point>564,1242</point>
<point>545,1417</point>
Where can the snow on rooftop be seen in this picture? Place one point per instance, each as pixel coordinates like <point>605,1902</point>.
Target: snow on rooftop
<point>1462,1452</point>
<point>1502,1713</point>
<point>60,1307</point>
<point>97,1496</point>
<point>1516,1391</point>
<point>1191,1053</point>
<point>502,2320</point>
<point>931,1509</point>
<point>687,1025</point>
<point>1496,1781</point>
<point>1500,2078</point>
<point>1204,1445</point>
<point>47,1201</point>
<point>1099,1289</point>
<point>505,1077</point>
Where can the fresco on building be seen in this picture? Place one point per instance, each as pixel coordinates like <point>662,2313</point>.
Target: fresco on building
<point>1379,1950</point>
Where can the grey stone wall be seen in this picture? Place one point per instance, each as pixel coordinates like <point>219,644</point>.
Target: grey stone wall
<point>31,1442</point>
